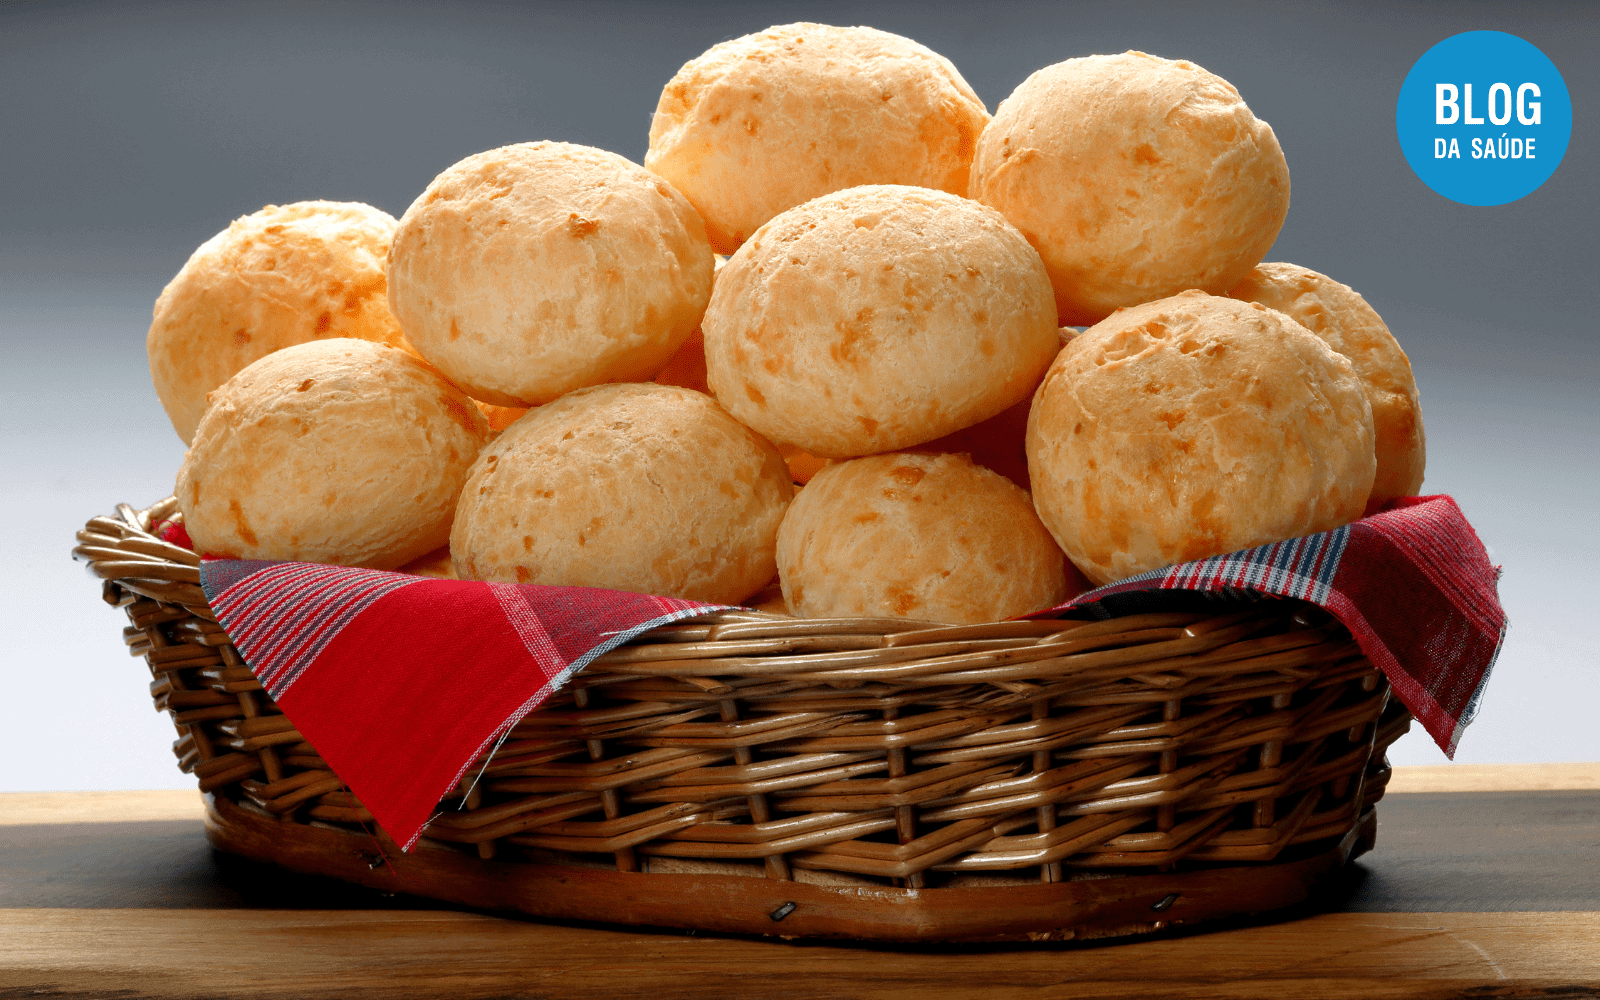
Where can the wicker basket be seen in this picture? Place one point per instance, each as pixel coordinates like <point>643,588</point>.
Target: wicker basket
<point>886,780</point>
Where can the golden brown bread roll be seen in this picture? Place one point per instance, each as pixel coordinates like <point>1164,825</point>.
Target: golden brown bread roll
<point>922,536</point>
<point>337,451</point>
<point>765,122</point>
<point>1341,317</point>
<point>531,270</point>
<point>647,488</point>
<point>1135,177</point>
<point>284,275</point>
<point>1193,426</point>
<point>878,318</point>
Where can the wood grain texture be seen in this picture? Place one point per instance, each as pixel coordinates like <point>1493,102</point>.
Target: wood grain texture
<point>28,808</point>
<point>285,954</point>
<point>1496,778</point>
<point>1502,851</point>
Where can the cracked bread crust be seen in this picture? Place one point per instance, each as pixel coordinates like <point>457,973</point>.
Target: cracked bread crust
<point>288,274</point>
<point>337,451</point>
<point>1342,318</point>
<point>765,122</point>
<point>1193,426</point>
<point>647,488</point>
<point>1135,177</point>
<point>878,318</point>
<point>919,536</point>
<point>531,270</point>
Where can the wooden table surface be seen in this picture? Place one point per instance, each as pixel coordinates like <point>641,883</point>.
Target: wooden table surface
<point>1485,883</point>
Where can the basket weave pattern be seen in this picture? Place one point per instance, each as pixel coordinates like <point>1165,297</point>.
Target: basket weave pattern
<point>842,751</point>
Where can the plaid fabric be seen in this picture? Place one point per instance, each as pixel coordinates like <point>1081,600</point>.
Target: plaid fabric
<point>1411,582</point>
<point>401,682</point>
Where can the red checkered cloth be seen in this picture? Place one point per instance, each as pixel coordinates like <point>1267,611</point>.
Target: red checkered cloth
<point>401,682</point>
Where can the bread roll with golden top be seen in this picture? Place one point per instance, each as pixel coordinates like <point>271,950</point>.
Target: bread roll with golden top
<point>527,271</point>
<point>922,536</point>
<point>647,488</point>
<point>1136,177</point>
<point>1193,426</point>
<point>1341,317</point>
<point>878,318</point>
<point>338,451</point>
<point>765,122</point>
<point>284,275</point>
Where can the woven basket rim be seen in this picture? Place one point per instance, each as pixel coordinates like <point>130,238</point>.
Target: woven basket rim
<point>164,563</point>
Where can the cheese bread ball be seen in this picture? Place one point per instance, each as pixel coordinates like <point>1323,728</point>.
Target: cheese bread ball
<point>763,123</point>
<point>338,451</point>
<point>911,535</point>
<point>647,488</point>
<point>531,270</point>
<point>284,275</point>
<point>1193,426</point>
<point>1136,177</point>
<point>878,318</point>
<point>1341,317</point>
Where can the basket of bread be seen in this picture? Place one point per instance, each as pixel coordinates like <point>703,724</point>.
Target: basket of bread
<point>868,517</point>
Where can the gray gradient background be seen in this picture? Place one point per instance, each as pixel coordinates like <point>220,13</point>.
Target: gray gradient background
<point>131,132</point>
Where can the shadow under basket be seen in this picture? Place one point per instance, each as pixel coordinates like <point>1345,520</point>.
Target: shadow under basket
<point>883,780</point>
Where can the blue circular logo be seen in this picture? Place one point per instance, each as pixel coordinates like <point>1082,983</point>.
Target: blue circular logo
<point>1484,118</point>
